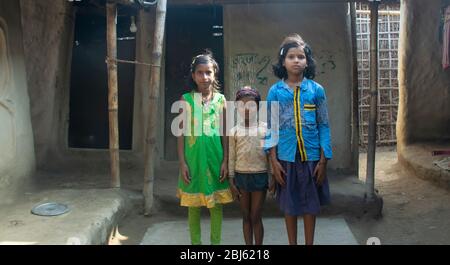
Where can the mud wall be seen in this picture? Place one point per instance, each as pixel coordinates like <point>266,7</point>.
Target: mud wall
<point>424,104</point>
<point>47,27</point>
<point>17,160</point>
<point>253,34</point>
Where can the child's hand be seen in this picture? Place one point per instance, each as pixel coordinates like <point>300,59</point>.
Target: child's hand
<point>272,187</point>
<point>278,173</point>
<point>235,191</point>
<point>320,172</point>
<point>223,172</point>
<point>184,170</point>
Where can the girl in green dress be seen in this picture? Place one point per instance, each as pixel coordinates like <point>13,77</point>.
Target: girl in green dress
<point>202,151</point>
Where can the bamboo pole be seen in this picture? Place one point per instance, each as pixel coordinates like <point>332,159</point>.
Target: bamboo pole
<point>370,174</point>
<point>155,76</point>
<point>111,16</point>
<point>355,98</point>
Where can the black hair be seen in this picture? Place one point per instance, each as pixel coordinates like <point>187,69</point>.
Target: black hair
<point>280,71</point>
<point>204,58</point>
<point>249,92</point>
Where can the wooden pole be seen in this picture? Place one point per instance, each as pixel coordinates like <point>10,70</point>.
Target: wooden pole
<point>355,97</point>
<point>370,174</point>
<point>155,77</point>
<point>111,17</point>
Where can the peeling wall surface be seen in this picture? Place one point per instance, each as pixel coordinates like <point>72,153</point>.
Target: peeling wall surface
<point>424,105</point>
<point>253,34</point>
<point>47,27</point>
<point>17,158</point>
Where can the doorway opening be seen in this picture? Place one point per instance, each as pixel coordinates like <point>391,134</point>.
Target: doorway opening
<point>190,30</point>
<point>88,124</point>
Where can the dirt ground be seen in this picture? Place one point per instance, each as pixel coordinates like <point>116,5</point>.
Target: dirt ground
<point>415,211</point>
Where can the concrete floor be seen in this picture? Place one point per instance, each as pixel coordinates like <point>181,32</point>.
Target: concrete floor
<point>329,231</point>
<point>92,217</point>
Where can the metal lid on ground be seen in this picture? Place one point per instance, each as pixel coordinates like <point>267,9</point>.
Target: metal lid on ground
<point>50,209</point>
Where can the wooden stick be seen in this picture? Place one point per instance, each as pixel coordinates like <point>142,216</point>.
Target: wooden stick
<point>111,15</point>
<point>355,91</point>
<point>372,141</point>
<point>153,113</point>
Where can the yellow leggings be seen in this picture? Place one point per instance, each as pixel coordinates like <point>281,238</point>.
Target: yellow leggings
<point>216,214</point>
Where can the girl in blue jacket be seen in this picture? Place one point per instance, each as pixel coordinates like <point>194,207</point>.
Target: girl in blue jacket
<point>299,155</point>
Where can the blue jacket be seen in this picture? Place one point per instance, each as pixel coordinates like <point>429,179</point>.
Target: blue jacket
<point>308,134</point>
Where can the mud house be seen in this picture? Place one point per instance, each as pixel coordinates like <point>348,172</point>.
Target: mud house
<point>54,90</point>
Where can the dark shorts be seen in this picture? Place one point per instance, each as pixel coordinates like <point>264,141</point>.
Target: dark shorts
<point>252,182</point>
<point>301,195</point>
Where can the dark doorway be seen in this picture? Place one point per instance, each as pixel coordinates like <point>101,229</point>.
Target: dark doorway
<point>190,30</point>
<point>88,126</point>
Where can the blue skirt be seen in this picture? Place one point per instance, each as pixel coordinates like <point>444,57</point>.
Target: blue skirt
<point>301,195</point>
